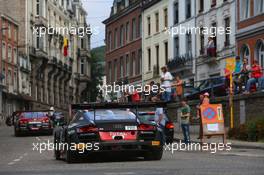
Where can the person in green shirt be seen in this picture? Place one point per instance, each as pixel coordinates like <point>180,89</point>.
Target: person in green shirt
<point>185,120</point>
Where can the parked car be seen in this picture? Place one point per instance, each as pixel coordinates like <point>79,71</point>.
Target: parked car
<point>149,116</point>
<point>214,86</point>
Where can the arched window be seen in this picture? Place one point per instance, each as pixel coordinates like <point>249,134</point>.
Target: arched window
<point>260,52</point>
<point>245,53</point>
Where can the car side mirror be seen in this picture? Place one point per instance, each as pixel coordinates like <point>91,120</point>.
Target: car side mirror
<point>9,121</point>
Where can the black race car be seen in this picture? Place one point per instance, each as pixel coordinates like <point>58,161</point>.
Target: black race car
<point>99,128</point>
<point>29,122</point>
<point>149,116</point>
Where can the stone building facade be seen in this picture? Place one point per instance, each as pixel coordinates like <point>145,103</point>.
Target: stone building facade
<point>49,75</point>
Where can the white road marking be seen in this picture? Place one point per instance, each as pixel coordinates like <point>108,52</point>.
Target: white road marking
<point>11,163</point>
<point>16,160</point>
<point>119,173</point>
<point>38,138</point>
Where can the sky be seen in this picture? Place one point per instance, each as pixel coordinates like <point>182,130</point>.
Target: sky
<point>98,11</point>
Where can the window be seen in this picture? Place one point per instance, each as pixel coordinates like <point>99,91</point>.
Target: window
<point>245,53</point>
<point>139,61</point>
<point>82,67</point>
<point>121,38</point>
<point>9,78</point>
<point>176,13</point>
<point>260,52</point>
<point>157,58</point>
<point>214,34</point>
<point>188,9</point>
<point>82,43</point>
<point>15,81</point>
<point>201,3</point>
<point>9,54</point>
<point>9,30</point>
<point>15,34</point>
<point>166,48</point>
<point>15,55</point>
<point>110,41</point>
<point>127,32</point>
<point>258,7</point>
<point>37,7</point>
<point>3,72</point>
<point>133,70</point>
<point>149,26</point>
<point>3,51</point>
<point>165,11</point>
<point>213,3</point>
<point>244,9</point>
<point>115,70</point>
<point>122,67</point>
<point>134,29</point>
<point>110,71</point>
<point>139,26</point>
<point>227,34</point>
<point>127,65</point>
<point>176,47</point>
<point>188,43</point>
<point>115,39</point>
<point>149,59</point>
<point>201,40</point>
<point>157,21</point>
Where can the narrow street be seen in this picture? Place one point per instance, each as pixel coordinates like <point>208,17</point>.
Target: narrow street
<point>17,156</point>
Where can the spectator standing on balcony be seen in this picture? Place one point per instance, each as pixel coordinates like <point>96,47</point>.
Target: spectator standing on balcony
<point>179,87</point>
<point>166,79</point>
<point>256,77</point>
<point>211,49</point>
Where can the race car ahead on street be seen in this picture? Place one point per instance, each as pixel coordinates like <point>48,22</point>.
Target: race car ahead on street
<point>111,128</point>
<point>31,122</point>
<point>149,116</point>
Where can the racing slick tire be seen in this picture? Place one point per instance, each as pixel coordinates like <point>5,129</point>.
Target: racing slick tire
<point>17,133</point>
<point>70,156</point>
<point>56,151</point>
<point>155,154</point>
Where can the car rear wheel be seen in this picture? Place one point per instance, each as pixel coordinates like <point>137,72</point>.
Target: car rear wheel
<point>17,133</point>
<point>154,154</point>
<point>56,150</point>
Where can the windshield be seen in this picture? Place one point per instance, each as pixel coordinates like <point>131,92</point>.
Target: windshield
<point>115,114</point>
<point>33,114</point>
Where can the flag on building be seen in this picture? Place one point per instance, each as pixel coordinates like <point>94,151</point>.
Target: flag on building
<point>65,47</point>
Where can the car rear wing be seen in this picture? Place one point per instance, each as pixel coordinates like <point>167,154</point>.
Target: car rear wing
<point>17,112</point>
<point>136,106</point>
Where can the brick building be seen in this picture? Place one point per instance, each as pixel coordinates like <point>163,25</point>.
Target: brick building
<point>8,64</point>
<point>123,42</point>
<point>250,30</point>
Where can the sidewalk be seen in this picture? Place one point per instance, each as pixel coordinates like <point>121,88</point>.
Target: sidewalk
<point>215,139</point>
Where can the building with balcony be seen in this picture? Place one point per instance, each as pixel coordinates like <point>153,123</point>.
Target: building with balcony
<point>156,42</point>
<point>182,62</point>
<point>211,14</point>
<point>123,42</point>
<point>55,73</point>
<point>250,30</point>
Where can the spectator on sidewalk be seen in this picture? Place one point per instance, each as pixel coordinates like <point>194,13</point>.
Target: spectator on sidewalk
<point>166,79</point>
<point>244,72</point>
<point>135,96</point>
<point>256,77</point>
<point>157,94</point>
<point>159,119</point>
<point>198,116</point>
<point>185,120</point>
<point>179,87</point>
